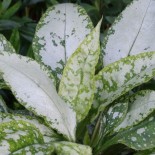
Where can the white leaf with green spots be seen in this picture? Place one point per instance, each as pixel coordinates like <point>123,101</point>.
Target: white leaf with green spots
<point>16,135</point>
<point>5,45</point>
<point>132,32</point>
<point>114,116</point>
<point>77,83</point>
<point>58,34</point>
<point>120,77</point>
<point>69,148</point>
<point>45,131</point>
<point>140,106</point>
<point>35,90</point>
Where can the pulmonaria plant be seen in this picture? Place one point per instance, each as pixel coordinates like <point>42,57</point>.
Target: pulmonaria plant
<point>75,111</point>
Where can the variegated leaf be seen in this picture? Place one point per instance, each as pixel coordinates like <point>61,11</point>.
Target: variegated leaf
<point>115,115</point>
<point>5,45</point>
<point>35,90</point>
<point>122,76</point>
<point>45,131</point>
<point>68,148</point>
<point>36,149</point>
<point>132,32</point>
<point>15,135</point>
<point>140,137</point>
<point>60,31</point>
<point>77,83</point>
<point>140,106</point>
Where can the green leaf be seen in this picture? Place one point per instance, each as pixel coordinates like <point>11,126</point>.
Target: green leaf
<point>122,76</point>
<point>12,10</point>
<point>15,39</point>
<point>131,32</point>
<point>16,135</point>
<point>77,83</point>
<point>34,89</point>
<point>5,45</point>
<point>60,31</point>
<point>141,105</point>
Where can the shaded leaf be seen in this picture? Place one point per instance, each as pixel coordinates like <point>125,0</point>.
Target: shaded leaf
<point>141,105</point>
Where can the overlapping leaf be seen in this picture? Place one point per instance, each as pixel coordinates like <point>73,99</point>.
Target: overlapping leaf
<point>60,31</point>
<point>77,83</point>
<point>141,105</point>
<point>132,32</point>
<point>34,89</point>
<point>122,76</point>
<point>16,135</point>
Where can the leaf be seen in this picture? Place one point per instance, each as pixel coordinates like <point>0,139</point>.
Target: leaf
<point>34,89</point>
<point>115,115</point>
<point>131,33</point>
<point>141,105</point>
<point>140,137</point>
<point>15,39</point>
<point>60,31</point>
<point>17,134</point>
<point>3,107</point>
<point>5,45</point>
<point>68,148</point>
<point>77,83</point>
<point>45,131</point>
<point>12,10</point>
<point>122,76</point>
<point>36,149</point>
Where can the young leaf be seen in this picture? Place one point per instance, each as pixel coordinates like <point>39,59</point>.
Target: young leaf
<point>34,89</point>
<point>16,135</point>
<point>140,106</point>
<point>120,77</point>
<point>60,31</point>
<point>132,32</point>
<point>77,83</point>
<point>5,45</point>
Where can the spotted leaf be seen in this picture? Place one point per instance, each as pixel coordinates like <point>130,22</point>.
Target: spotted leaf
<point>5,45</point>
<point>60,31</point>
<point>77,83</point>
<point>114,115</point>
<point>132,32</point>
<point>120,77</point>
<point>140,137</point>
<point>140,106</point>
<point>16,135</point>
<point>34,89</point>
